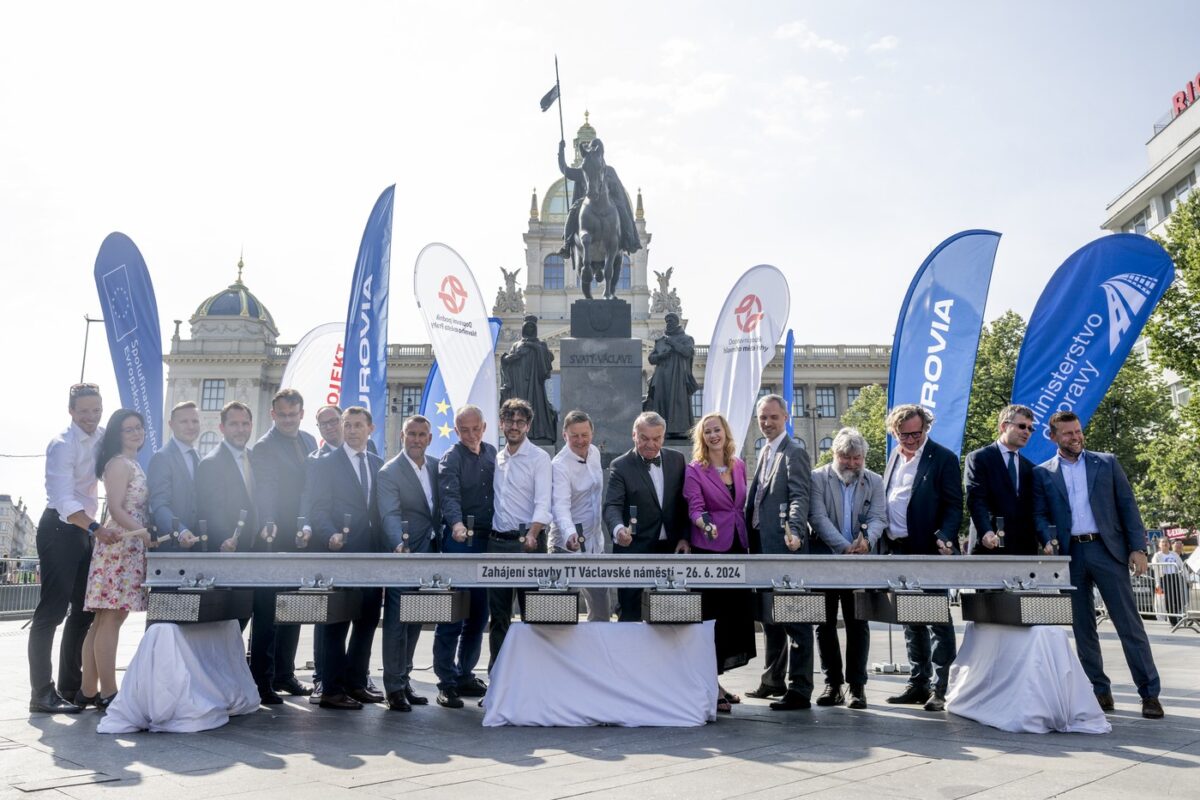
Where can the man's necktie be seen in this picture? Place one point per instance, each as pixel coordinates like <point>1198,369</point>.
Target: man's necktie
<point>1012,468</point>
<point>247,474</point>
<point>762,483</point>
<point>193,461</point>
<point>362,478</point>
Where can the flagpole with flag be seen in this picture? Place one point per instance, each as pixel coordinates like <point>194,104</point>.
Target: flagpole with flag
<point>789,378</point>
<point>548,99</point>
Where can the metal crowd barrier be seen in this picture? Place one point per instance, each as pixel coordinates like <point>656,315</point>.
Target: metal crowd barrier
<point>1165,594</point>
<point>20,587</point>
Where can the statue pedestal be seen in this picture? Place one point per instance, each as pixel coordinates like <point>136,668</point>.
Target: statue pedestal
<point>601,373</point>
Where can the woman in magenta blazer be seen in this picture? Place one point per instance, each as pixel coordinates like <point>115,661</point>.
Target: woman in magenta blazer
<point>714,485</point>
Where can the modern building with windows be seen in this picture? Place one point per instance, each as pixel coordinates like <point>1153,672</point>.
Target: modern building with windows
<point>1173,153</point>
<point>233,352</point>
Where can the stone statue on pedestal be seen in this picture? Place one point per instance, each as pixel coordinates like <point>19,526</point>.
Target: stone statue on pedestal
<point>524,370</point>
<point>672,384</point>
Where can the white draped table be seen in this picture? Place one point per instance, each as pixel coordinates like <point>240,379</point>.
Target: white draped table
<point>1023,680</point>
<point>183,679</point>
<point>604,673</point>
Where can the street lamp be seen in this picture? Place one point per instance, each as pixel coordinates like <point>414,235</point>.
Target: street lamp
<point>86,330</point>
<point>814,413</point>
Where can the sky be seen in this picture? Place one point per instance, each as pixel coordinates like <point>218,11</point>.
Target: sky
<point>840,142</point>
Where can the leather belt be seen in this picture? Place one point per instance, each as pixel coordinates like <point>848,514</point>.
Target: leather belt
<point>506,536</point>
<point>1084,538</point>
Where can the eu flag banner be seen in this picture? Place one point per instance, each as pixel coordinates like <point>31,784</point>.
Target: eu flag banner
<point>134,337</point>
<point>437,406</point>
<point>789,378</point>
<point>937,334</point>
<point>364,369</point>
<point>1083,327</point>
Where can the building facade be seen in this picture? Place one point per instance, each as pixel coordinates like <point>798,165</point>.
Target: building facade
<point>233,352</point>
<point>1173,154</point>
<point>18,533</point>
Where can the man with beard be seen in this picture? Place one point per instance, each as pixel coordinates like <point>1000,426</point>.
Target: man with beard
<point>846,512</point>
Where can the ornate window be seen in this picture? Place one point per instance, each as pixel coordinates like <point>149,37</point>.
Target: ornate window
<point>208,441</point>
<point>698,403</point>
<point>212,394</point>
<point>552,272</point>
<point>826,445</point>
<point>852,393</point>
<point>826,402</point>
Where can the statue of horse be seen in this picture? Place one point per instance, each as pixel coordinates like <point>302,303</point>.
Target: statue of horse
<point>597,241</point>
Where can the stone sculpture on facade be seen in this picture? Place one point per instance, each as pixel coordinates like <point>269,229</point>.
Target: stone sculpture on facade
<point>524,370</point>
<point>510,299</point>
<point>672,384</point>
<point>664,299</point>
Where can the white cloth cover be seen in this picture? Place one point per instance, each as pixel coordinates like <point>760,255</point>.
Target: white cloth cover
<point>183,679</point>
<point>1023,680</point>
<point>604,673</point>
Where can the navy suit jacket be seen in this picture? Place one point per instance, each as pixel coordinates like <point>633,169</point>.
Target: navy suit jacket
<point>280,471</point>
<point>336,491</point>
<point>172,494</point>
<point>629,484</point>
<point>991,494</point>
<point>401,498</point>
<point>1109,495</point>
<point>935,509</point>
<point>220,495</point>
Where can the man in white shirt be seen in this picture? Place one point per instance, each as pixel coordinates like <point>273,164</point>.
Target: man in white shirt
<point>64,546</point>
<point>576,501</point>
<point>522,508</point>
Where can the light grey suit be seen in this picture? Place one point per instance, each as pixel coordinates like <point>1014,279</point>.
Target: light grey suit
<point>401,498</point>
<point>1102,564</point>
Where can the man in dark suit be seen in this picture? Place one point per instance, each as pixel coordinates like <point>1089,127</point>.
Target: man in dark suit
<point>225,484</point>
<point>999,483</point>
<point>344,484</point>
<point>329,425</point>
<point>847,515</point>
<point>280,462</point>
<point>1088,498</point>
<point>923,486</point>
<point>411,515</point>
<point>171,478</point>
<point>650,479</point>
<point>782,482</point>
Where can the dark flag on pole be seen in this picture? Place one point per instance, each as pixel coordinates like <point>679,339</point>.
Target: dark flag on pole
<point>549,98</point>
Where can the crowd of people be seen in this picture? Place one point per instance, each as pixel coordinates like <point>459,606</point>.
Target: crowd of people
<point>342,497</point>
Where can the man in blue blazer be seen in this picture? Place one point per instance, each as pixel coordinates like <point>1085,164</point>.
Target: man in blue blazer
<point>171,477</point>
<point>345,519</point>
<point>1088,498</point>
<point>224,484</point>
<point>411,514</point>
<point>280,462</point>
<point>999,484</point>
<point>922,483</point>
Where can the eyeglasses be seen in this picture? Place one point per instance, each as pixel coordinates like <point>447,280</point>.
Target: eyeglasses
<point>913,435</point>
<point>520,422</point>
<point>329,423</point>
<point>1025,426</point>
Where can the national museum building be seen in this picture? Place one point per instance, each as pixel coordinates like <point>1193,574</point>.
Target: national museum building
<point>233,352</point>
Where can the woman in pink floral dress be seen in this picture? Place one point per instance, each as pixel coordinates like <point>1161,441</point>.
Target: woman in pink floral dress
<point>114,582</point>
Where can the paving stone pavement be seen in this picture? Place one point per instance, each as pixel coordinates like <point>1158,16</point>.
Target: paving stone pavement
<point>298,751</point>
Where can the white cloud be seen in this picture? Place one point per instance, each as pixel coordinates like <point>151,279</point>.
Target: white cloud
<point>888,42</point>
<point>808,39</point>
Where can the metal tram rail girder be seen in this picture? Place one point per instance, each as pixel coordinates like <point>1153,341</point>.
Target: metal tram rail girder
<point>348,570</point>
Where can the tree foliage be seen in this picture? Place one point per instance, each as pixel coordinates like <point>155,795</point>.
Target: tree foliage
<point>1172,329</point>
<point>1170,493</point>
<point>867,415</point>
<point>991,386</point>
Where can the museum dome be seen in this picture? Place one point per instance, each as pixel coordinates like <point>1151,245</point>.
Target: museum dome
<point>235,301</point>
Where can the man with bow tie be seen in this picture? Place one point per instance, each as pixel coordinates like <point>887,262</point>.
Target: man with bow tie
<point>650,479</point>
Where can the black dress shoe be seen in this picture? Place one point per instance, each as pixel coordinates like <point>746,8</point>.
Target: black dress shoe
<point>858,697</point>
<point>449,698</point>
<point>398,702</point>
<point>365,696</point>
<point>472,688</point>
<point>763,692</point>
<point>911,696</point>
<point>339,701</point>
<point>832,696</point>
<point>104,702</point>
<point>1151,708</point>
<point>268,698</point>
<point>1105,699</point>
<point>414,698</point>
<point>791,701</point>
<point>936,702</point>
<point>48,701</point>
<point>83,701</point>
<point>293,687</point>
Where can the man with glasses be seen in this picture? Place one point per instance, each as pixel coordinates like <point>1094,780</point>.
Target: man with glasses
<point>522,508</point>
<point>64,547</point>
<point>923,486</point>
<point>1087,496</point>
<point>999,484</point>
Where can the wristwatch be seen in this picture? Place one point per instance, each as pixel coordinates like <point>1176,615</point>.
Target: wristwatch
<point>93,526</point>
